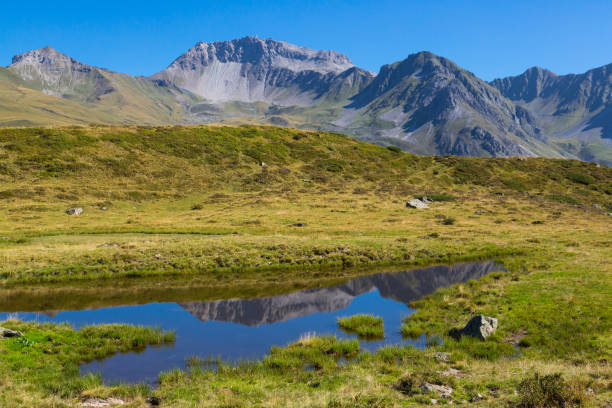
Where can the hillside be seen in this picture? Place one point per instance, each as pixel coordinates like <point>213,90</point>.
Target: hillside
<point>111,97</point>
<point>167,162</point>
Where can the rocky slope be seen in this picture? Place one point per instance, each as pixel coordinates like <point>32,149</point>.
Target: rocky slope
<point>575,109</point>
<point>126,98</point>
<point>251,69</point>
<point>435,107</point>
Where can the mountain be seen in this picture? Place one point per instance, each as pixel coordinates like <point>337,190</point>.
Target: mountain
<point>404,287</point>
<point>23,106</point>
<point>435,107</point>
<point>125,98</point>
<point>574,110</point>
<point>251,69</point>
<point>424,104</point>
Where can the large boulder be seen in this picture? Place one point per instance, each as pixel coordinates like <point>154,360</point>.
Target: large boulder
<point>416,203</point>
<point>6,333</point>
<point>479,326</point>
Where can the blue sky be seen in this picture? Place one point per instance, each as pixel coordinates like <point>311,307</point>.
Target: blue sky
<point>490,38</point>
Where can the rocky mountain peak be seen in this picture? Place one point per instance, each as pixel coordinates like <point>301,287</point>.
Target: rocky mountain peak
<point>254,69</point>
<point>46,56</point>
<point>262,52</point>
<point>58,74</point>
<point>527,86</point>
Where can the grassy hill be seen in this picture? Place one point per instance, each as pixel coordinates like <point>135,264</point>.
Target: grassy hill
<point>174,162</point>
<point>250,182</point>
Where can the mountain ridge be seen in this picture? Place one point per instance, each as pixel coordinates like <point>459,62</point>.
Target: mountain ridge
<point>424,104</point>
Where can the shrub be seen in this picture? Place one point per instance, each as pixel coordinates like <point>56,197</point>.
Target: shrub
<point>441,197</point>
<point>448,220</point>
<point>563,199</point>
<point>515,184</point>
<point>394,149</point>
<point>549,391</point>
<point>580,178</point>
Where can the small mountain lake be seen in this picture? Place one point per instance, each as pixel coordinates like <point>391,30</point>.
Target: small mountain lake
<point>236,329</point>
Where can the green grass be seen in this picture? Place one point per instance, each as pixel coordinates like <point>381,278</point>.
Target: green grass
<point>202,197</point>
<point>364,325</point>
<point>43,366</point>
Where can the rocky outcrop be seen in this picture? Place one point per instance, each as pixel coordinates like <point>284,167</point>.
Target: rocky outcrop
<point>74,211</point>
<point>479,327</point>
<point>416,203</point>
<point>7,333</point>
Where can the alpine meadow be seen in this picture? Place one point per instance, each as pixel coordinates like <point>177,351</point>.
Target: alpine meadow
<point>262,224</point>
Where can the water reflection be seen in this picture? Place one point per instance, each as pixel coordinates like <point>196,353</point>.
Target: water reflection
<point>402,287</point>
<point>238,329</point>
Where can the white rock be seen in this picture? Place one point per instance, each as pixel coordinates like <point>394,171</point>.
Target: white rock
<point>416,203</point>
<point>74,211</point>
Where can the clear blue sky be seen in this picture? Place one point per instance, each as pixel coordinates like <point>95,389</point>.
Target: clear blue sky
<point>490,38</point>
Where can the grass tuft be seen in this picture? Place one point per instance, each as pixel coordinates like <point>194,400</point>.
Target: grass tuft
<point>364,325</point>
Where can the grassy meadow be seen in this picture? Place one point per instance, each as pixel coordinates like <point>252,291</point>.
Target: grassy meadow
<point>248,210</point>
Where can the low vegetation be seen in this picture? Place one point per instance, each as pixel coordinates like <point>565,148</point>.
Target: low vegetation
<point>42,367</point>
<point>241,211</point>
<point>364,325</point>
<point>550,391</point>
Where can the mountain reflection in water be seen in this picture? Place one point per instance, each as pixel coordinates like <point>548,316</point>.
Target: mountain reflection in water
<point>403,287</point>
<point>233,329</point>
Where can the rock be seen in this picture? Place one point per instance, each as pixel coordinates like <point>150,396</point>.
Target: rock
<point>451,372</point>
<point>6,333</point>
<point>442,356</point>
<point>433,401</point>
<point>597,207</point>
<point>425,199</point>
<point>416,203</point>
<point>476,397</point>
<point>479,326</point>
<point>102,402</point>
<point>442,390</point>
<point>154,401</point>
<point>74,211</point>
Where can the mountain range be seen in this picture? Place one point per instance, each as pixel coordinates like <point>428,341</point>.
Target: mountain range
<point>424,104</point>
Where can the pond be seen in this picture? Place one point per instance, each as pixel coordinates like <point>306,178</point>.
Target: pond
<point>236,329</point>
